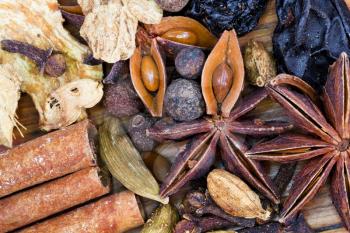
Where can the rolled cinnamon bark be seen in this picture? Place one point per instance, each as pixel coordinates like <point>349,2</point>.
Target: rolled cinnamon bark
<point>52,197</point>
<point>50,156</point>
<point>113,214</point>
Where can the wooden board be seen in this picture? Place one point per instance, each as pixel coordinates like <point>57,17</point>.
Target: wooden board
<point>320,213</point>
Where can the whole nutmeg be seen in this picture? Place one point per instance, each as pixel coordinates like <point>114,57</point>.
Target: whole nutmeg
<point>259,64</point>
<point>137,127</point>
<point>189,62</point>
<point>121,100</point>
<point>183,100</point>
<point>172,5</point>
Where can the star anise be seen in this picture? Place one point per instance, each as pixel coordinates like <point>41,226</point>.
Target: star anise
<point>222,84</point>
<point>327,144</point>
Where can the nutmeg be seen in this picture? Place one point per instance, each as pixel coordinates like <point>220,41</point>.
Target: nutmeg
<point>259,64</point>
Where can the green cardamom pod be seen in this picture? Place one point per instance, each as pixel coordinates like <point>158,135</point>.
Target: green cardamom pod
<point>163,220</point>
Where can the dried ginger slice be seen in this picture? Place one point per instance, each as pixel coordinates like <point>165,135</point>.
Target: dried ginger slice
<point>110,31</point>
<point>146,11</point>
<point>9,97</point>
<point>39,22</point>
<point>88,5</point>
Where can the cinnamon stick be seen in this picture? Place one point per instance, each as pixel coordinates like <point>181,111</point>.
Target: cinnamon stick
<point>113,214</point>
<point>52,197</point>
<point>50,156</point>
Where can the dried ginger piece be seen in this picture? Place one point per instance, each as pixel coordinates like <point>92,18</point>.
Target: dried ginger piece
<point>88,5</point>
<point>110,29</point>
<point>39,22</point>
<point>9,97</point>
<point>69,101</point>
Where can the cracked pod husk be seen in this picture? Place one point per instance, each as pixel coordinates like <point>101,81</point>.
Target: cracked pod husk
<point>148,75</point>
<point>124,161</point>
<point>178,32</point>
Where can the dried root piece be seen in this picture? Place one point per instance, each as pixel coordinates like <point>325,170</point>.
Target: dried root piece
<point>65,105</point>
<point>9,96</point>
<point>110,29</point>
<point>88,5</point>
<point>39,23</point>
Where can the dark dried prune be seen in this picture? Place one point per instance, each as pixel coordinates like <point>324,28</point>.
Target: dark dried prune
<point>183,100</point>
<point>220,15</point>
<point>189,62</point>
<point>310,36</point>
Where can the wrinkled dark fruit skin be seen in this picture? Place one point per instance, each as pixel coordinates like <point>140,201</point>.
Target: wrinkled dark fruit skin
<point>220,15</point>
<point>183,100</point>
<point>189,62</point>
<point>121,100</point>
<point>310,36</point>
<point>137,131</point>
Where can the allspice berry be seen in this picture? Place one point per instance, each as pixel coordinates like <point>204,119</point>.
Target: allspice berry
<point>137,127</point>
<point>183,100</point>
<point>120,99</point>
<point>189,62</point>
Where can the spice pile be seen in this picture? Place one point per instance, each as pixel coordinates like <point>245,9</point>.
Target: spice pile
<point>189,116</point>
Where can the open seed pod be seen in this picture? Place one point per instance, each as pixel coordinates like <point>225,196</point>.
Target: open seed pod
<point>148,75</point>
<point>223,75</point>
<point>178,32</point>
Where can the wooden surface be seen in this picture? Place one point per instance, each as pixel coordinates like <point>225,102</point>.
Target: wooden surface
<point>320,213</point>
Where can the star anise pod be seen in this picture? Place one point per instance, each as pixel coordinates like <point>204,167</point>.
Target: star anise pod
<point>327,144</point>
<point>222,85</point>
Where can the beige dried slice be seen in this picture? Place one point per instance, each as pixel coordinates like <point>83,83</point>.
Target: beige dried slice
<point>234,196</point>
<point>9,96</point>
<point>65,105</point>
<point>146,11</point>
<point>110,31</point>
<point>88,5</point>
<point>39,22</point>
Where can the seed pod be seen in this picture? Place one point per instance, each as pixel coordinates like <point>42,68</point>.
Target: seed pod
<point>223,64</point>
<point>234,196</point>
<point>124,161</point>
<point>148,75</point>
<point>222,81</point>
<point>163,220</point>
<point>178,32</point>
<point>259,64</point>
<point>159,165</point>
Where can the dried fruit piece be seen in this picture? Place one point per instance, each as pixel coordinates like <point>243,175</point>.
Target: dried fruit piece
<point>145,68</point>
<point>309,37</point>
<point>137,130</point>
<point>66,105</point>
<point>221,15</point>
<point>124,161</point>
<point>39,22</point>
<point>183,100</point>
<point>172,5</point>
<point>52,64</point>
<point>163,220</point>
<point>178,32</point>
<point>223,64</point>
<point>9,96</point>
<point>259,64</point>
<point>189,62</point>
<point>121,100</point>
<point>234,196</point>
